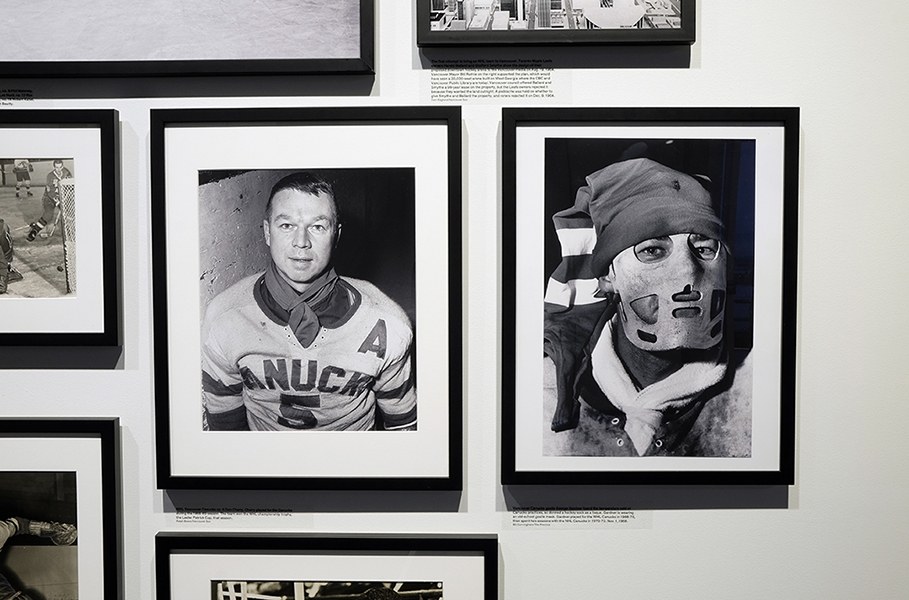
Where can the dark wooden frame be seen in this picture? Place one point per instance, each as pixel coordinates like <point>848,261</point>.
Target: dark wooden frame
<point>107,122</point>
<point>161,120</point>
<point>788,120</point>
<point>555,37</point>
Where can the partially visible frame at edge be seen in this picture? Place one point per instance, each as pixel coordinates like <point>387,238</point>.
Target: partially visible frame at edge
<point>93,316</point>
<point>364,63</point>
<point>465,566</point>
<point>104,503</point>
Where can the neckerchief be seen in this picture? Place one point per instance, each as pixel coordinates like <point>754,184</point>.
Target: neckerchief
<point>644,408</point>
<point>302,319</point>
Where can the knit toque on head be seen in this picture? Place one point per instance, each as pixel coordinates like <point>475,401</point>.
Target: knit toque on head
<point>639,199</point>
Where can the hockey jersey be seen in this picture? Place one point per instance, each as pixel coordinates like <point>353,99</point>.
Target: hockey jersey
<point>253,365</point>
<point>52,185</point>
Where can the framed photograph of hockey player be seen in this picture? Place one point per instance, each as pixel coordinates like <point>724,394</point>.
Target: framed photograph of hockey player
<point>51,38</point>
<point>329,284</point>
<point>59,192</point>
<point>60,519</point>
<point>554,22</point>
<point>355,567</point>
<point>649,295</point>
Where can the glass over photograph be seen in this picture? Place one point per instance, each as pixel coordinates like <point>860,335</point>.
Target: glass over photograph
<point>37,227</point>
<point>308,296</point>
<point>38,536</point>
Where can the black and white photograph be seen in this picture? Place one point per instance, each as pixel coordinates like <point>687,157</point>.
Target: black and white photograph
<point>327,274</point>
<point>52,294</point>
<point>37,227</point>
<point>657,249</point>
<point>59,509</point>
<point>329,255</point>
<point>38,535</point>
<point>326,590</point>
<point>490,22</point>
<point>108,37</point>
<point>259,566</point>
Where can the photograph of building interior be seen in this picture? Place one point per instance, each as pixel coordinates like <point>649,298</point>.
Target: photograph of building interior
<point>526,15</point>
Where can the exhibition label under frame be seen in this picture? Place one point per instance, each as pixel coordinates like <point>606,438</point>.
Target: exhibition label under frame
<point>546,22</point>
<point>364,390</point>
<point>649,295</point>
<point>272,37</point>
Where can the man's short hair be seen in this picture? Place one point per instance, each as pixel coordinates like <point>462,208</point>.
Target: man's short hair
<point>306,182</point>
<point>58,161</point>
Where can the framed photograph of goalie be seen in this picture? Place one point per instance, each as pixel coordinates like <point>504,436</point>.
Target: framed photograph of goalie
<point>224,567</point>
<point>554,22</point>
<point>173,38</point>
<point>649,295</point>
<point>323,245</point>
<point>60,518</point>
<point>59,283</point>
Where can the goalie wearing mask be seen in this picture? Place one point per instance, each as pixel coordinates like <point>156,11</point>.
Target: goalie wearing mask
<point>641,367</point>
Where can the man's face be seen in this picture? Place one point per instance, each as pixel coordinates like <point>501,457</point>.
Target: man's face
<point>58,168</point>
<point>672,291</point>
<point>301,233</point>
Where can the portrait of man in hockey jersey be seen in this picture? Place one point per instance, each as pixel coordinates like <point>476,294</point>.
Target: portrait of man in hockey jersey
<point>308,297</point>
<point>648,313</point>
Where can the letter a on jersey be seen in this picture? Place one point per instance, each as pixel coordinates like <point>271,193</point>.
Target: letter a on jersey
<point>376,341</point>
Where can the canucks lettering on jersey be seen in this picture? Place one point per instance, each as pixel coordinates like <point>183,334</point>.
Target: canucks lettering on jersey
<point>256,375</point>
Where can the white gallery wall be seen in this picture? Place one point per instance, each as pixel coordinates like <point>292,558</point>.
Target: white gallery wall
<point>844,531</point>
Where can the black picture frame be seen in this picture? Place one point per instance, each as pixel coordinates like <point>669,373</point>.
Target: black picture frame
<point>425,140</point>
<point>429,36</point>
<point>578,142</point>
<point>320,558</point>
<point>76,65</point>
<point>90,141</point>
<point>89,447</point>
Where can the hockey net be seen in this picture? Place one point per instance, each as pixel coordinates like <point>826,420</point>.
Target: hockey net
<point>68,213</point>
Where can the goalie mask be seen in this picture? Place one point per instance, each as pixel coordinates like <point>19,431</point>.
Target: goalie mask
<point>672,291</point>
<point>658,246</point>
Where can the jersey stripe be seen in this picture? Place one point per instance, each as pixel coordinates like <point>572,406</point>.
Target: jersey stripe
<point>398,392</point>
<point>393,421</point>
<point>213,386</point>
<point>231,420</point>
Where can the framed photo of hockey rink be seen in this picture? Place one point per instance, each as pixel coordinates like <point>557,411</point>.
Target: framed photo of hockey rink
<point>107,38</point>
<point>223,567</point>
<point>59,278</point>
<point>60,529</point>
<point>323,245</point>
<point>649,295</point>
